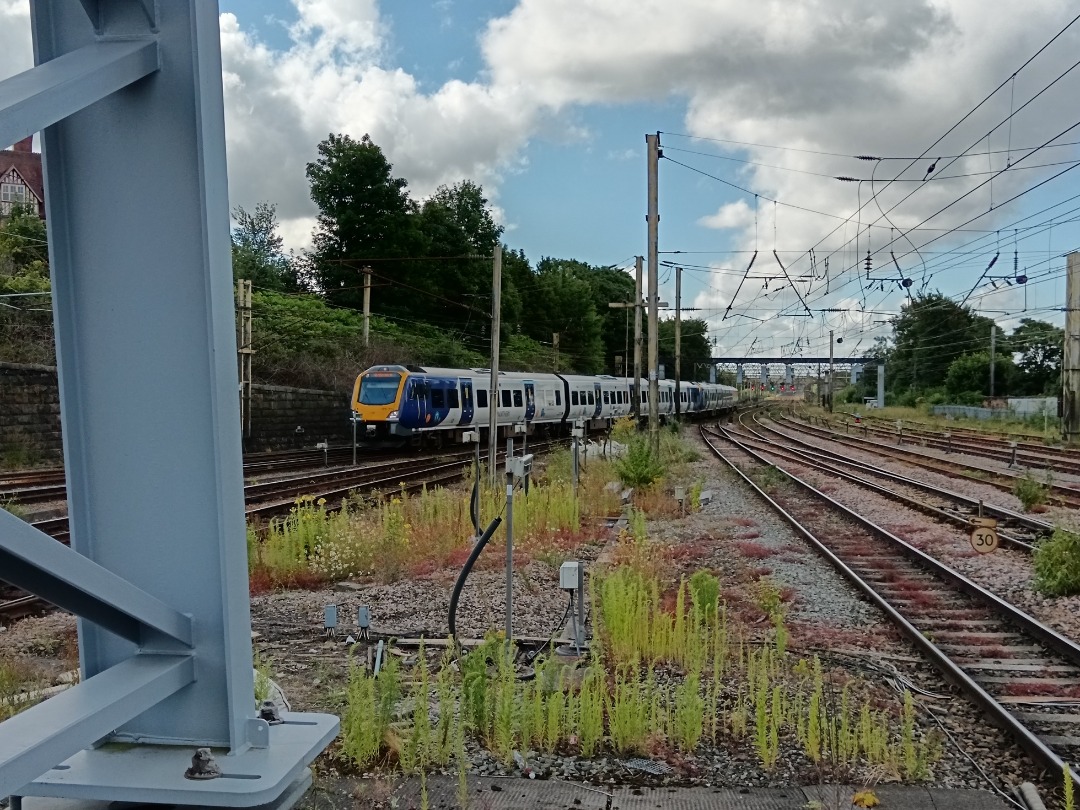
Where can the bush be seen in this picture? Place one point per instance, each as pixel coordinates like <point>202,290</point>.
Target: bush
<point>638,466</point>
<point>1030,492</point>
<point>1057,564</point>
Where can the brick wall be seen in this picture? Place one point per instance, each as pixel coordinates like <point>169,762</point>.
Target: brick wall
<point>30,416</point>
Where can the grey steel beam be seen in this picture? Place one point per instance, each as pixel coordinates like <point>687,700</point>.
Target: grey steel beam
<point>44,735</point>
<point>41,96</point>
<point>32,560</point>
<point>137,200</point>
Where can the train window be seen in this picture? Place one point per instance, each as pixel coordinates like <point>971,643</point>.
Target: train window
<point>558,397</point>
<point>517,398</point>
<point>592,400</point>
<point>606,398</point>
<point>438,399</point>
<point>573,398</point>
<point>549,397</point>
<point>506,397</point>
<point>452,398</point>
<point>481,398</point>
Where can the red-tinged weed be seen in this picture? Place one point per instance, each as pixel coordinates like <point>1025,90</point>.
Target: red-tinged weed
<point>748,535</point>
<point>741,521</point>
<point>759,572</point>
<point>754,551</point>
<point>1036,688</point>
<point>788,594</point>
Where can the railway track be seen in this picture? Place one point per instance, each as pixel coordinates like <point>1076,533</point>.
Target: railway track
<point>1024,675</point>
<point>41,486</point>
<point>1058,494</point>
<point>1025,454</point>
<point>1015,529</point>
<point>269,499</point>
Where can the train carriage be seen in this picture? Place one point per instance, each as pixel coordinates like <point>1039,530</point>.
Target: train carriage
<point>395,404</point>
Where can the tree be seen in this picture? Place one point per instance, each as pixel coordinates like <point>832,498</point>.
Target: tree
<point>930,333</point>
<point>26,333</point>
<point>1039,345</point>
<point>366,218</point>
<point>695,348</point>
<point>561,301</point>
<point>258,252</point>
<point>458,237</point>
<point>970,374</point>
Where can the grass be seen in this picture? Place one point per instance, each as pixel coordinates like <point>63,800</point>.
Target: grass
<point>17,679</point>
<point>1031,492</point>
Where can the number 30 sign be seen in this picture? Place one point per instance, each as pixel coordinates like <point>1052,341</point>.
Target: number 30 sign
<point>984,539</point>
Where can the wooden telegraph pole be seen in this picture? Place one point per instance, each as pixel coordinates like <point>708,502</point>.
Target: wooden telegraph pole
<point>244,352</point>
<point>638,260</point>
<point>678,341</point>
<point>367,305</point>
<point>652,143</point>
<point>493,384</point>
<point>1070,366</point>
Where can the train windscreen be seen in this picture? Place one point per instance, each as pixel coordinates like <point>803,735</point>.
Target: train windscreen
<point>379,389</point>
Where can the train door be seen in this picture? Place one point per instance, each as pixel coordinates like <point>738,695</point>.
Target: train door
<point>466,402</point>
<point>530,401</point>
<point>599,401</point>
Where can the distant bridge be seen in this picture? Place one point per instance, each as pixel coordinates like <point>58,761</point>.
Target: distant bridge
<point>793,361</point>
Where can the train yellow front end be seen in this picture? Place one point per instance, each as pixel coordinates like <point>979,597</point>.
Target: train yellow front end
<point>376,403</point>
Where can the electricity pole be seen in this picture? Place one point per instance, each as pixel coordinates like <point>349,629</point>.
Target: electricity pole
<point>555,348</point>
<point>993,346</point>
<point>678,341</point>
<point>367,305</point>
<point>652,143</point>
<point>829,400</point>
<point>244,352</point>
<point>637,336</point>
<point>493,385</point>
<point>1070,367</point>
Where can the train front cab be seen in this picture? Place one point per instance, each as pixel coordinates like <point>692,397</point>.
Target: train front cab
<point>376,402</point>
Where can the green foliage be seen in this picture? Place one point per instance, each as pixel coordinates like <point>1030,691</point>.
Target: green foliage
<point>638,466</point>
<point>1068,788</point>
<point>971,373</point>
<point>695,349</point>
<point>1057,564</point>
<point>689,713</point>
<point>705,594</point>
<point>1031,492</point>
<point>263,681</point>
<point>258,252</point>
<point>26,334</point>
<point>369,709</point>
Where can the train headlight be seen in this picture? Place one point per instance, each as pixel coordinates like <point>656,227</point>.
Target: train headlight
<point>392,416</point>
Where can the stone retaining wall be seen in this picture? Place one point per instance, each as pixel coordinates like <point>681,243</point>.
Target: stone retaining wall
<point>281,417</point>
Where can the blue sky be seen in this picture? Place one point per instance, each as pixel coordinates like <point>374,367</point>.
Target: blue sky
<point>546,103</point>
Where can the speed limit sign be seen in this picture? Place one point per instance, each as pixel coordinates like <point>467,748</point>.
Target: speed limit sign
<point>984,539</point>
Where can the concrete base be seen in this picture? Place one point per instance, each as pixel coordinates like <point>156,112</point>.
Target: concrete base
<point>274,777</point>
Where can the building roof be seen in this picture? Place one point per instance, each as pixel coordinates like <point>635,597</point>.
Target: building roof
<point>24,160</point>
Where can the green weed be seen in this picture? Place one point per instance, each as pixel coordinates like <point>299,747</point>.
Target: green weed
<point>1057,564</point>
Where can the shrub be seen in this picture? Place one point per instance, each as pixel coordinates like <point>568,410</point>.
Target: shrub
<point>1057,564</point>
<point>1030,492</point>
<point>638,466</point>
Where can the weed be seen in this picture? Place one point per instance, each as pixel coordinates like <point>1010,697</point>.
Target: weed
<point>1069,803</point>
<point>1030,492</point>
<point>591,710</point>
<point>639,466</point>
<point>689,712</point>
<point>11,505</point>
<point>626,719</point>
<point>263,683</point>
<point>1057,564</point>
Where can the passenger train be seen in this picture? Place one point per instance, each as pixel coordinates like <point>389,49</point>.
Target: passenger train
<point>398,404</point>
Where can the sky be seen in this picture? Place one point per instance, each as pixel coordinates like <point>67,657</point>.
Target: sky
<point>761,106</point>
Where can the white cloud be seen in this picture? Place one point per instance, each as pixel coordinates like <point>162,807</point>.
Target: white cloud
<point>847,76</point>
<point>730,215</point>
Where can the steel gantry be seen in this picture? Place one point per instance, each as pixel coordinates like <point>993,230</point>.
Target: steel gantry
<point>128,97</point>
